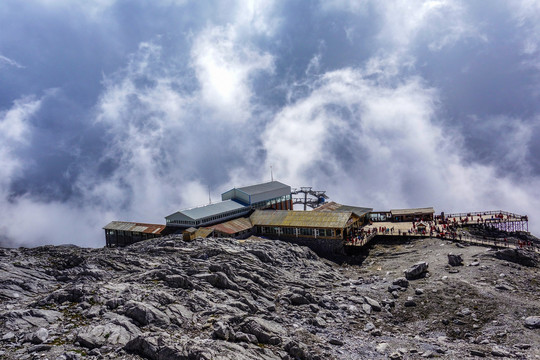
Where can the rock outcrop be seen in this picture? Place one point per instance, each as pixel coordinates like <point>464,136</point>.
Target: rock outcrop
<point>258,299</point>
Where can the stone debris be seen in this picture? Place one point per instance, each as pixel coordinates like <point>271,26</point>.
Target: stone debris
<point>261,299</point>
<point>532,322</point>
<point>518,256</point>
<point>416,271</point>
<point>455,259</point>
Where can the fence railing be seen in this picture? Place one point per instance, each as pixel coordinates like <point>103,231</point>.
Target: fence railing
<point>475,240</point>
<point>484,213</point>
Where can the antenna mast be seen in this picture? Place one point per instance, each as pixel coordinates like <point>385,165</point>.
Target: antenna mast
<point>271,173</point>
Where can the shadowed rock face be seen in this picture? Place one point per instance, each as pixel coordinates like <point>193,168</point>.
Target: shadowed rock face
<point>259,299</point>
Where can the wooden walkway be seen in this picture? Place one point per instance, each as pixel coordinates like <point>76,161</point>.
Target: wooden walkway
<point>405,230</point>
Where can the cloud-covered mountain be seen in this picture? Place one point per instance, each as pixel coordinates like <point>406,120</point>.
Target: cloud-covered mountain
<point>132,110</point>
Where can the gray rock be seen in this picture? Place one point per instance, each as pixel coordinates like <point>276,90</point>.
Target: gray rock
<point>373,303</point>
<point>30,318</point>
<point>219,280</point>
<point>8,336</point>
<point>296,350</point>
<point>381,348</point>
<point>298,299</point>
<point>112,334</point>
<point>499,352</point>
<point>410,302</point>
<point>478,353</point>
<point>518,256</point>
<point>335,341</point>
<point>223,332</point>
<point>266,331</point>
<point>389,303</point>
<point>366,308</point>
<point>247,338</point>
<point>114,303</point>
<point>39,348</point>
<point>178,281</point>
<point>146,314</point>
<point>39,336</point>
<point>455,259</point>
<point>417,271</point>
<point>319,322</point>
<point>401,282</point>
<point>152,347</point>
<point>369,327</point>
<point>532,322</point>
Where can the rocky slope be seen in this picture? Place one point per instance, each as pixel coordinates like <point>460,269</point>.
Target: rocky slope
<point>260,299</point>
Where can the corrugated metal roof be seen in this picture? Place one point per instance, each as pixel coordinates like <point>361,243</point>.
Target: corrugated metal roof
<point>233,226</point>
<point>134,227</point>
<point>301,219</point>
<point>334,206</point>
<point>428,210</point>
<point>262,188</point>
<point>212,209</point>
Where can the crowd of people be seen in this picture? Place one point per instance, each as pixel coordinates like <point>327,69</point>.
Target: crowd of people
<point>449,229</point>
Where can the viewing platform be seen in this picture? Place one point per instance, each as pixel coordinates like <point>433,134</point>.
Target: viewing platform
<point>451,227</point>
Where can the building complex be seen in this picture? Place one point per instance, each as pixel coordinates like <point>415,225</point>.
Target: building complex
<point>267,210</point>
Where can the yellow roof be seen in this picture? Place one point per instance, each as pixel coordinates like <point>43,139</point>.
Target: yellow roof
<point>202,233</point>
<point>301,219</point>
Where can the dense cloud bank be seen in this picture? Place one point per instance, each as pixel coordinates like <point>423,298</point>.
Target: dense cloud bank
<point>130,110</point>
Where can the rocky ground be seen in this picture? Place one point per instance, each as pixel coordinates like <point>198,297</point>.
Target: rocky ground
<point>260,299</point>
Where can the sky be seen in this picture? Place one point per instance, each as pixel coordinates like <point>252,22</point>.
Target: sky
<point>132,110</point>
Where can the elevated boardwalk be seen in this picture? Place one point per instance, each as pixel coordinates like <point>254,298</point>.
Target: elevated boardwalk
<point>452,230</point>
<point>501,220</point>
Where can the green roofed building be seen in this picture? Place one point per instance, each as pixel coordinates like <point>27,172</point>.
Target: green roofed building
<point>273,194</point>
<point>336,225</point>
<point>237,202</point>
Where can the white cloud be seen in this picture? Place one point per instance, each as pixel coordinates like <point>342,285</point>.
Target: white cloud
<point>14,135</point>
<point>378,144</point>
<point>256,16</point>
<point>527,15</point>
<point>225,67</point>
<point>9,62</point>
<point>440,22</point>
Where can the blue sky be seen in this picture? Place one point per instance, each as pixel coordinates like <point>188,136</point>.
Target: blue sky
<point>131,110</point>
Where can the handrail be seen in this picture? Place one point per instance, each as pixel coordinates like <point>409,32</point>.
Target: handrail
<point>482,213</point>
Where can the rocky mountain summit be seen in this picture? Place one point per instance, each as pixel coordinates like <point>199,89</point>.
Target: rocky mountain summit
<point>260,299</point>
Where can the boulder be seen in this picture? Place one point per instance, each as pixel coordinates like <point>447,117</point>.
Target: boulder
<point>298,299</point>
<point>455,259</point>
<point>416,271</point>
<point>373,303</point>
<point>532,322</point>
<point>146,314</point>
<point>178,281</point>
<point>243,337</point>
<point>401,282</point>
<point>410,302</point>
<point>39,336</point>
<point>223,332</point>
<point>518,256</point>
<point>366,308</point>
<point>96,336</point>
<point>152,347</point>
<point>266,331</point>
